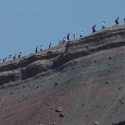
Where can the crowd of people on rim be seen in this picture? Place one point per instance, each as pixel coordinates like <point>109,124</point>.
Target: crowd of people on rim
<point>61,42</point>
<point>10,56</point>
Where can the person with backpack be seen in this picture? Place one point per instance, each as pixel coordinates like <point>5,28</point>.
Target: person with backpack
<point>14,57</point>
<point>36,50</point>
<point>74,35</point>
<point>19,55</point>
<point>103,25</point>
<point>94,28</point>
<point>81,34</point>
<point>68,36</point>
<point>50,45</point>
<point>117,21</point>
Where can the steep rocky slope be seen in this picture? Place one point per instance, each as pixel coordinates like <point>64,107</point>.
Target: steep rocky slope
<point>85,78</point>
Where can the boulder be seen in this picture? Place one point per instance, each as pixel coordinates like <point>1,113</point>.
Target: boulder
<point>96,123</point>
<point>56,83</point>
<point>62,114</point>
<point>59,109</point>
<point>110,57</point>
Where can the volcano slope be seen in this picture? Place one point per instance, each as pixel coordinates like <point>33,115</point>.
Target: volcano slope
<point>85,78</point>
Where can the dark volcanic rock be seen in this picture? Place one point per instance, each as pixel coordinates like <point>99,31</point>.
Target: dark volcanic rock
<point>107,82</point>
<point>62,114</point>
<point>120,123</point>
<point>110,57</point>
<point>122,101</point>
<point>56,83</point>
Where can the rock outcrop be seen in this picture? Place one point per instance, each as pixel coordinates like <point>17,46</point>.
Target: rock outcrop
<point>29,66</point>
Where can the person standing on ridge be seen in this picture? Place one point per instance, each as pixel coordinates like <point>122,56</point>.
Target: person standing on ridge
<point>64,41</point>
<point>36,50</point>
<point>81,34</point>
<point>60,42</point>
<point>19,55</point>
<point>94,28</point>
<point>4,60</point>
<point>117,21</point>
<point>14,57</point>
<point>103,25</point>
<point>9,58</point>
<point>41,48</point>
<point>124,20</point>
<point>74,35</point>
<point>50,45</point>
<point>68,36</point>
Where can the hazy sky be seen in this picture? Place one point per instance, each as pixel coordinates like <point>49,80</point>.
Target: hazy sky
<point>25,24</point>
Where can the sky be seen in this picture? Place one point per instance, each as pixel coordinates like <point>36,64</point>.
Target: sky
<point>25,24</point>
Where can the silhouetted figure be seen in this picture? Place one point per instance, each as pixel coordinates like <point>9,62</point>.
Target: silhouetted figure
<point>41,48</point>
<point>117,21</point>
<point>124,20</point>
<point>68,36</point>
<point>14,57</point>
<point>94,28</point>
<point>4,60</point>
<point>9,58</point>
<point>19,55</point>
<point>74,35</point>
<point>50,45</point>
<point>81,34</point>
<point>103,25</point>
<point>36,50</point>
